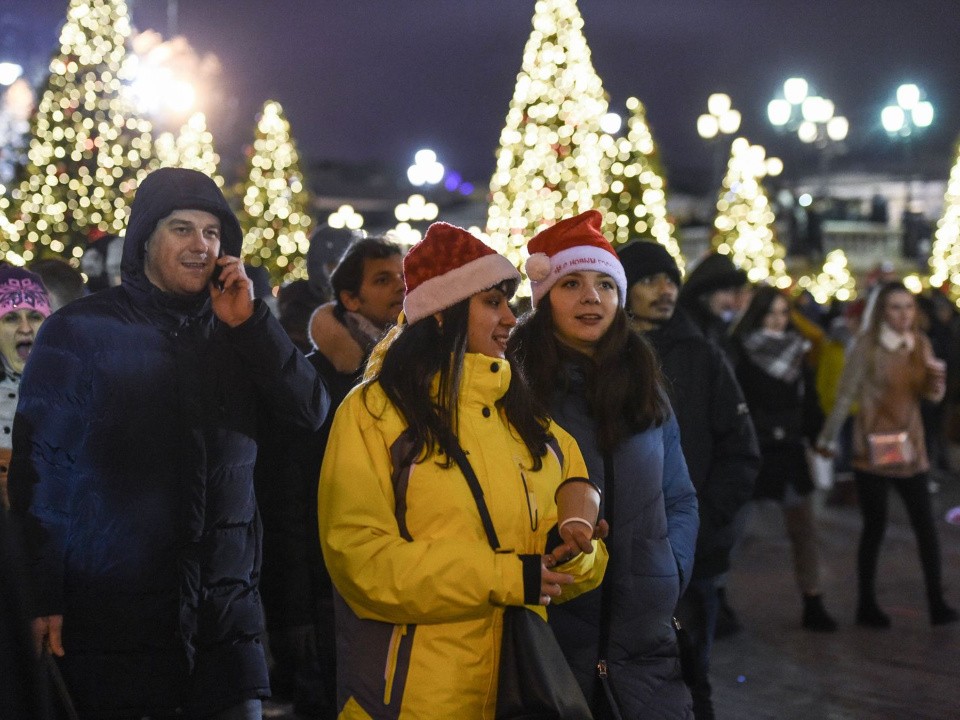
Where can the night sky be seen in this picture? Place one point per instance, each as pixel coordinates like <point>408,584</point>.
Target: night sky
<point>374,80</point>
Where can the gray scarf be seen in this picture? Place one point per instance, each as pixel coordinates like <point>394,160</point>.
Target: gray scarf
<point>780,355</point>
<point>364,332</point>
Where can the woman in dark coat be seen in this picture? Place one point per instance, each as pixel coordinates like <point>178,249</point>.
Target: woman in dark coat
<point>782,397</point>
<point>601,384</point>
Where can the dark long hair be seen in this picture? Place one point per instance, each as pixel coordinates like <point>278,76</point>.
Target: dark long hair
<point>757,310</point>
<point>426,350</point>
<point>625,393</point>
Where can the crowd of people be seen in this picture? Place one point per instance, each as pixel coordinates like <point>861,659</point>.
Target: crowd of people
<point>339,494</point>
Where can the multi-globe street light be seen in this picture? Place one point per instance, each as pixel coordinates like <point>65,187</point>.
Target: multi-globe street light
<point>813,118</point>
<point>9,72</point>
<point>903,121</point>
<point>720,120</point>
<point>909,115</point>
<point>426,170</point>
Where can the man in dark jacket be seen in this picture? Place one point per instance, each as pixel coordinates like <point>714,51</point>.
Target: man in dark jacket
<point>297,592</point>
<point>716,435</point>
<point>134,447</point>
<point>710,296</point>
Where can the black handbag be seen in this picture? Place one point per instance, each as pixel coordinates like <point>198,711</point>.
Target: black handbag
<point>535,681</point>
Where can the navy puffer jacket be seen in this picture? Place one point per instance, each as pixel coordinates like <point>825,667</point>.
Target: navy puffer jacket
<point>651,545</point>
<point>134,448</point>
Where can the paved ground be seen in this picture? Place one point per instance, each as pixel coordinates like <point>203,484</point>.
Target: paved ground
<point>774,670</point>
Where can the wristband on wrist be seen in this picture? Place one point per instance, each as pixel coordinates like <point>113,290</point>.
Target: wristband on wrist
<point>575,520</point>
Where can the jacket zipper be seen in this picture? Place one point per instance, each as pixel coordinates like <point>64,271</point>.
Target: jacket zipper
<point>391,667</point>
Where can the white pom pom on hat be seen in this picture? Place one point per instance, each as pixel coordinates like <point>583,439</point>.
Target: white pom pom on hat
<point>538,267</point>
<point>572,245</point>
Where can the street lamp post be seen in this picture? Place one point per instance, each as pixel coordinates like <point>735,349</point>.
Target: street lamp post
<point>426,170</point>
<point>814,120</point>
<point>719,120</point>
<point>904,121</point>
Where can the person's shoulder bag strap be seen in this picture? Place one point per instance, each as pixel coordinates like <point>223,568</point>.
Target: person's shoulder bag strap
<point>460,458</point>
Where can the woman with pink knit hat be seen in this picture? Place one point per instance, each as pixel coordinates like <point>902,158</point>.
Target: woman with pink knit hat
<point>24,305</point>
<point>421,585</point>
<point>600,381</point>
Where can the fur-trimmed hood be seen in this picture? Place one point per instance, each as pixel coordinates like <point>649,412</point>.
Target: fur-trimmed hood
<point>333,340</point>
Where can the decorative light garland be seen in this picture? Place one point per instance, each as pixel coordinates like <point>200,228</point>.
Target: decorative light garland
<point>549,159</point>
<point>634,203</point>
<point>945,253</point>
<point>833,281</point>
<point>89,149</point>
<point>192,148</point>
<point>743,227</point>
<point>276,205</point>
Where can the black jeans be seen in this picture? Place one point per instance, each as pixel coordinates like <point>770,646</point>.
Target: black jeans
<point>872,494</point>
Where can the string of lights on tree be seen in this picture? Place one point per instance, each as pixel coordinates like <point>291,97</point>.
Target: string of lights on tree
<point>88,148</point>
<point>833,281</point>
<point>635,202</point>
<point>743,227</point>
<point>191,148</point>
<point>945,254</point>
<point>549,158</point>
<point>275,214</point>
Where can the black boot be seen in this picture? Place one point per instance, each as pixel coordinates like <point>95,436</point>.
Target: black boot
<point>815,615</point>
<point>869,614</point>
<point>727,622</point>
<point>941,613</point>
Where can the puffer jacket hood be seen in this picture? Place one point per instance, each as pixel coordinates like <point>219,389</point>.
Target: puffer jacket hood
<point>164,191</point>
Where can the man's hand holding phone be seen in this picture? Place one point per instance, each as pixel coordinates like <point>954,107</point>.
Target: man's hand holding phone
<point>231,292</point>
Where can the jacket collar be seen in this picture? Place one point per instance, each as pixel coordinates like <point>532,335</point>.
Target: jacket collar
<point>484,380</point>
<point>333,340</point>
<point>891,340</point>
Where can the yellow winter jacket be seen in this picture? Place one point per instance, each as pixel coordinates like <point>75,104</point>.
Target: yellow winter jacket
<point>420,592</point>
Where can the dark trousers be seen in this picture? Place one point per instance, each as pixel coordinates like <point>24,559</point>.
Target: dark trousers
<point>305,664</point>
<point>872,495</point>
<point>247,710</point>
<point>697,613</point>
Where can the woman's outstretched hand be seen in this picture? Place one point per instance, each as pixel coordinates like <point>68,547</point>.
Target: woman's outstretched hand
<point>577,538</point>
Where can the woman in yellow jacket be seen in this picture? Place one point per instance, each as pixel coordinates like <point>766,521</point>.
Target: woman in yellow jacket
<point>420,591</point>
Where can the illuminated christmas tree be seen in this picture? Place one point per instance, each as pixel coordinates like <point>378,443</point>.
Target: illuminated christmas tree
<point>88,148</point>
<point>276,206</point>
<point>192,148</point>
<point>945,254</point>
<point>635,201</point>
<point>834,280</point>
<point>549,159</point>
<point>743,227</point>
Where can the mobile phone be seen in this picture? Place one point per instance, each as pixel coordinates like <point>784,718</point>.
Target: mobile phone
<point>215,278</point>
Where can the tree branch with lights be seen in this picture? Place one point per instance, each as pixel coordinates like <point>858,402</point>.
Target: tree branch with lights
<point>634,203</point>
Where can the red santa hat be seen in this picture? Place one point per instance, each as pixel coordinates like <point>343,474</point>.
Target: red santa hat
<point>447,266</point>
<point>572,245</point>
